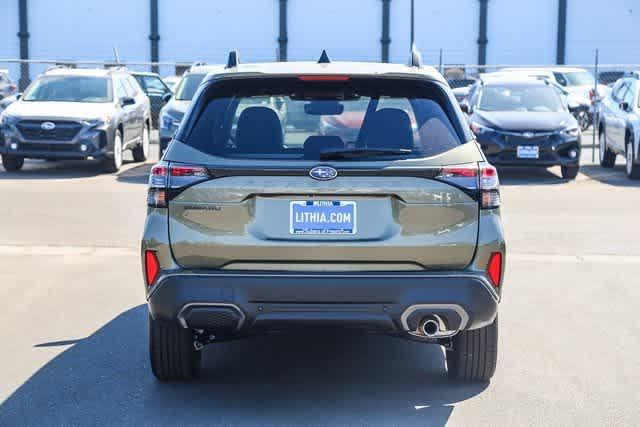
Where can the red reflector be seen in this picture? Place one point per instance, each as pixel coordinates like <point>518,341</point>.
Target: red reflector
<point>494,268</point>
<point>151,267</point>
<point>324,78</point>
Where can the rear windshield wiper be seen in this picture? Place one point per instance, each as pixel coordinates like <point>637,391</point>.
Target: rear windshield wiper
<point>363,153</point>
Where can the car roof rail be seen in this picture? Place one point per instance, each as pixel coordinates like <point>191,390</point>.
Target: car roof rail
<point>233,60</point>
<point>324,58</point>
<point>415,60</point>
<point>56,67</point>
<point>198,64</point>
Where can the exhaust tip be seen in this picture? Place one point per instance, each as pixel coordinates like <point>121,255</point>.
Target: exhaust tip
<point>430,326</point>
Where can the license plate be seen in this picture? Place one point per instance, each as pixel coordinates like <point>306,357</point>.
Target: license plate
<point>322,217</point>
<point>528,152</point>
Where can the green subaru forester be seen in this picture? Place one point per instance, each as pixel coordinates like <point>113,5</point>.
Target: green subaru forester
<point>323,195</point>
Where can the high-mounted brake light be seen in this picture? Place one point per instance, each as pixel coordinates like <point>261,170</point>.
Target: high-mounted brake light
<point>324,78</point>
<point>151,267</point>
<point>167,179</point>
<point>494,269</point>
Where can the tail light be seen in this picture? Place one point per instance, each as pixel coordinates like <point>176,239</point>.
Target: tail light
<point>166,180</point>
<point>151,267</point>
<point>494,269</point>
<point>482,180</point>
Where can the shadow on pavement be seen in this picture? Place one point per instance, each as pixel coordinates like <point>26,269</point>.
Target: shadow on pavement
<point>59,169</point>
<point>293,379</point>
<point>615,176</point>
<point>136,175</point>
<point>518,175</point>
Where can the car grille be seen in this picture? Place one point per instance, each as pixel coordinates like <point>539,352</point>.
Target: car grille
<point>29,146</point>
<point>64,131</point>
<point>528,138</point>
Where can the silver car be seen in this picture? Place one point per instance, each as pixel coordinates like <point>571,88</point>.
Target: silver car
<point>77,114</point>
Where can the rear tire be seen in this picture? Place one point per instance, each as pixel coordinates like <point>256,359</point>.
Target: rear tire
<point>141,151</point>
<point>607,157</point>
<point>475,354</point>
<point>569,172</point>
<point>113,162</point>
<point>173,356</point>
<point>632,169</point>
<point>12,163</point>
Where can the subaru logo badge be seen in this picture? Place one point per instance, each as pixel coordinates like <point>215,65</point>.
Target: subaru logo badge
<point>528,134</point>
<point>48,126</point>
<point>323,173</point>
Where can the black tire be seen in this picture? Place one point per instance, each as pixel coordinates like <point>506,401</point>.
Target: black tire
<point>569,172</point>
<point>113,162</point>
<point>475,354</point>
<point>173,356</point>
<point>12,163</point>
<point>632,169</point>
<point>607,157</point>
<point>141,151</point>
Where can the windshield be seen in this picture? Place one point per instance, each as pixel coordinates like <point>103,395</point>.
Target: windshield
<point>70,89</point>
<point>579,78</point>
<point>539,98</point>
<point>311,122</point>
<point>188,86</point>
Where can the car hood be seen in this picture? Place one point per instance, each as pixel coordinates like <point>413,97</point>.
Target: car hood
<point>58,110</point>
<point>523,120</point>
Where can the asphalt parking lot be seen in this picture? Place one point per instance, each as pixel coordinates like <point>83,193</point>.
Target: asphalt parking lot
<point>73,323</point>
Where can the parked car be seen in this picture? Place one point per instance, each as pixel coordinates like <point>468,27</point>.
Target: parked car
<point>177,103</point>
<point>523,121</point>
<point>461,93</point>
<point>619,128</point>
<point>273,228</point>
<point>155,88</point>
<point>77,114</point>
<point>7,86</point>
<point>171,81</point>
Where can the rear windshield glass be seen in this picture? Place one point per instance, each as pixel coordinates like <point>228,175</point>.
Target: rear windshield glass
<point>539,98</point>
<point>188,86</point>
<point>315,121</point>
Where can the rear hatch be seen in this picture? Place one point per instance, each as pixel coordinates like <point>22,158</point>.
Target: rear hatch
<point>252,189</point>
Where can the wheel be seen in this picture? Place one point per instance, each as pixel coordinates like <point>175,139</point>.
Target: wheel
<point>173,356</point>
<point>569,172</point>
<point>632,169</point>
<point>475,354</point>
<point>114,162</point>
<point>141,151</point>
<point>12,163</point>
<point>607,157</point>
<point>583,120</point>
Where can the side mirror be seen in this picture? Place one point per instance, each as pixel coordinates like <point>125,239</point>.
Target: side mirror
<point>465,107</point>
<point>166,97</point>
<point>624,106</point>
<point>127,100</point>
<point>18,96</point>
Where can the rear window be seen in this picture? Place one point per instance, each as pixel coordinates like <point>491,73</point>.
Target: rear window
<point>290,119</point>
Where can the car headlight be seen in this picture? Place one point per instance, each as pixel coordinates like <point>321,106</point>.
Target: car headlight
<point>100,121</point>
<point>572,131</point>
<point>7,120</point>
<point>169,122</point>
<point>477,128</point>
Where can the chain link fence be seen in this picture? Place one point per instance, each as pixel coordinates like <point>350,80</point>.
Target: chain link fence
<point>589,83</point>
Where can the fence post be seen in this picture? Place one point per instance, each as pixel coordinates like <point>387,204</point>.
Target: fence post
<point>596,112</point>
<point>385,40</point>
<point>282,37</point>
<point>23,35</point>
<point>440,62</point>
<point>154,37</point>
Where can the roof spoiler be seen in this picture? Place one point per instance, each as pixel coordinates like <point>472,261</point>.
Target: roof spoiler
<point>416,58</point>
<point>233,60</point>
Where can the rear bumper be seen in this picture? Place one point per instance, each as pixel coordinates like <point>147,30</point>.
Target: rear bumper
<point>251,302</point>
